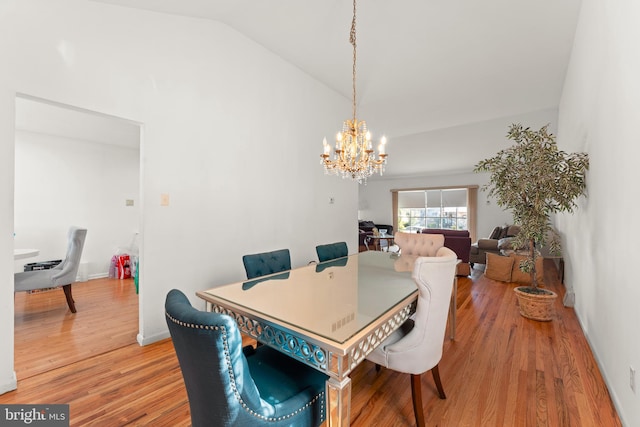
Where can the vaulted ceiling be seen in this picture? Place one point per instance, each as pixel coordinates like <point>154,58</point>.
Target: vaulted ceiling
<point>423,65</point>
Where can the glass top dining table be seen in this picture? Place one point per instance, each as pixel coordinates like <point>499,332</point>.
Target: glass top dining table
<point>329,315</point>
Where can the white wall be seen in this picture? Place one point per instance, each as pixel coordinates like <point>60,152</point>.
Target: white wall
<point>227,132</point>
<point>375,198</point>
<point>61,182</point>
<point>7,375</point>
<point>599,113</point>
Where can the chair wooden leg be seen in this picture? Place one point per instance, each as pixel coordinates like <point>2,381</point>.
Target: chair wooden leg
<point>70,302</point>
<point>416,393</point>
<point>436,378</point>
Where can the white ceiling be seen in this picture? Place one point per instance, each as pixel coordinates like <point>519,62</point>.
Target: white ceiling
<point>423,65</point>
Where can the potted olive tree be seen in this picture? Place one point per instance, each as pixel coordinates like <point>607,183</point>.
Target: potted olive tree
<point>534,179</point>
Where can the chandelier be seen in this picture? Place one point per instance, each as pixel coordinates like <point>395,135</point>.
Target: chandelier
<point>353,155</point>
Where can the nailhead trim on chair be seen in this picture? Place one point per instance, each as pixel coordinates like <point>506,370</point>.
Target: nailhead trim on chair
<point>233,380</point>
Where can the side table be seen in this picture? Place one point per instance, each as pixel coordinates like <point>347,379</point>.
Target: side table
<point>376,242</point>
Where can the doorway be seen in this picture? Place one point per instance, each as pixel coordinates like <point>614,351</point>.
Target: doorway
<point>75,167</point>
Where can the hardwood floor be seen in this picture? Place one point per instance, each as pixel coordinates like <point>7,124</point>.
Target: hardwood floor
<point>48,335</point>
<point>502,369</point>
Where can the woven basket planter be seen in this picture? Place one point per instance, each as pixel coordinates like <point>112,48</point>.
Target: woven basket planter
<point>536,306</point>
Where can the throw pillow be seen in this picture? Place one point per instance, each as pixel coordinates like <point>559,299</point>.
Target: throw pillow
<point>519,276</point>
<point>503,232</point>
<point>498,267</point>
<point>495,234</point>
<point>513,230</point>
<point>505,243</point>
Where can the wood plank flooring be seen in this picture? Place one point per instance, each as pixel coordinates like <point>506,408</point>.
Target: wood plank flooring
<point>48,335</point>
<point>501,370</point>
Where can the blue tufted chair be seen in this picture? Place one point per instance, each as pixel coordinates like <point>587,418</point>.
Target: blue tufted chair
<point>227,387</point>
<point>264,263</point>
<point>338,262</point>
<point>332,251</point>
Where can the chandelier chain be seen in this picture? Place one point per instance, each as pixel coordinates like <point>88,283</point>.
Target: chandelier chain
<point>352,40</point>
<point>354,156</point>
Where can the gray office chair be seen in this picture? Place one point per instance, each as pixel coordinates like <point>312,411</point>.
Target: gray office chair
<point>64,274</point>
<point>416,347</point>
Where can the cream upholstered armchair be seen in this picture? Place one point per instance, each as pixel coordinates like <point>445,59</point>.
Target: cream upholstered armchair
<point>416,347</point>
<point>414,245</point>
<point>64,274</point>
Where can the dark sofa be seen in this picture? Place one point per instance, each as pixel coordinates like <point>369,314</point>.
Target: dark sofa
<point>459,242</point>
<point>365,228</point>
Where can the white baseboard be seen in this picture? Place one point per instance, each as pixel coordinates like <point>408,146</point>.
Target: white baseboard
<point>142,340</point>
<point>9,386</point>
<point>92,276</point>
<point>569,299</point>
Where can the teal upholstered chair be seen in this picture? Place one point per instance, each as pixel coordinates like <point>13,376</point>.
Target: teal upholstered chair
<point>332,251</point>
<point>63,274</point>
<point>264,263</point>
<point>231,386</point>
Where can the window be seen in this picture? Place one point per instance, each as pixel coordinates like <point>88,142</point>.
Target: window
<point>446,208</point>
<point>412,215</point>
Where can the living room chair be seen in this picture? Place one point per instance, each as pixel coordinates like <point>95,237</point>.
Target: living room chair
<point>418,244</point>
<point>64,274</point>
<point>499,239</point>
<point>332,251</point>
<point>231,386</point>
<point>416,347</point>
<point>264,263</point>
<point>459,242</point>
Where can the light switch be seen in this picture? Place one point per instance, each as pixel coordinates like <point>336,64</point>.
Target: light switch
<point>164,199</point>
<point>128,202</point>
